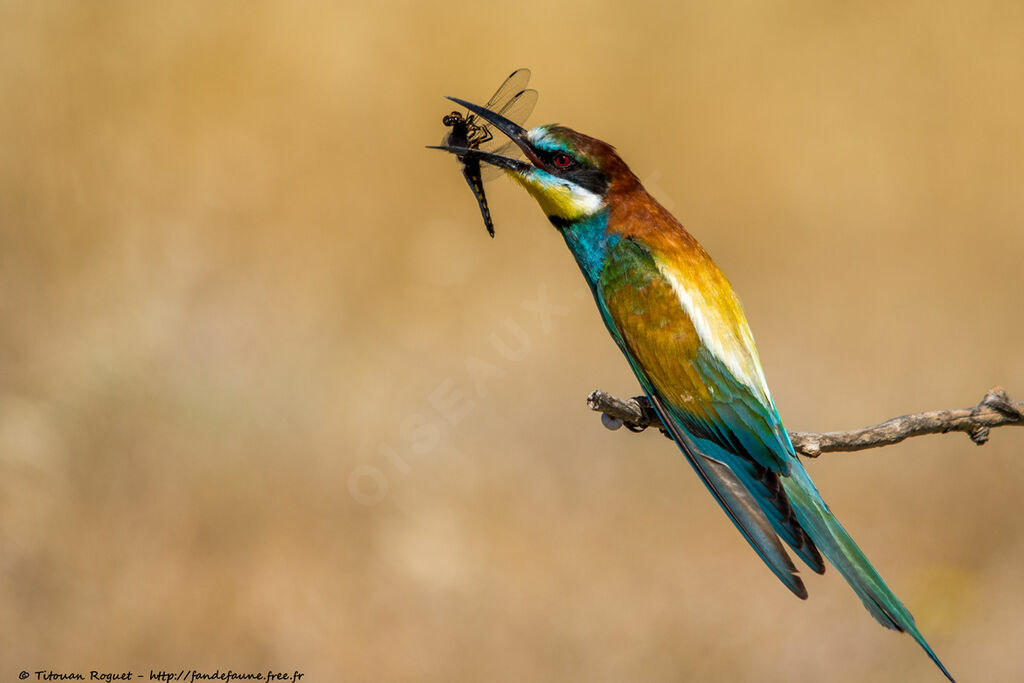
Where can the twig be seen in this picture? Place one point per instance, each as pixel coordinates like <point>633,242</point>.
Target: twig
<point>996,409</point>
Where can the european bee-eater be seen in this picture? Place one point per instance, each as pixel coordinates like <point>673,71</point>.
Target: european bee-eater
<point>678,322</point>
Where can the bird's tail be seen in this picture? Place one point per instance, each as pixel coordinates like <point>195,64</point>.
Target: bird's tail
<point>837,546</point>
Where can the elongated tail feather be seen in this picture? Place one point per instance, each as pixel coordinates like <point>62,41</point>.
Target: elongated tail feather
<point>836,545</point>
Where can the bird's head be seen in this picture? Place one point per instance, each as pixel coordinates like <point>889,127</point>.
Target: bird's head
<point>571,175</point>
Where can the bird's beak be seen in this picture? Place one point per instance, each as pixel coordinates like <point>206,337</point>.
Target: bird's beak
<point>513,165</point>
<point>514,131</point>
<point>560,199</point>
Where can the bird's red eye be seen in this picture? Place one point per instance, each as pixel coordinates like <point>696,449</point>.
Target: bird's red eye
<point>563,160</point>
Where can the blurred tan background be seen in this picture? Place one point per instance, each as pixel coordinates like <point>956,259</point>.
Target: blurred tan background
<point>271,398</point>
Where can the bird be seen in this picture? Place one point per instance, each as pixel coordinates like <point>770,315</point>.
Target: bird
<point>682,329</point>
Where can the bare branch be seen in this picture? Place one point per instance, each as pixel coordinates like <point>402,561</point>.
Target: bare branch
<point>996,409</point>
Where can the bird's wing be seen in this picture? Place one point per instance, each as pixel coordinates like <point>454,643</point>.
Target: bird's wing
<point>690,347</point>
<point>685,327</point>
<point>722,428</point>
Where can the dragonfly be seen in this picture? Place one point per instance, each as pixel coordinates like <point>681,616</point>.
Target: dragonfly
<point>514,101</point>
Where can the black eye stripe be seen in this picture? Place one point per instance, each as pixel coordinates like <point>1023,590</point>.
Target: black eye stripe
<point>588,178</point>
<point>576,171</point>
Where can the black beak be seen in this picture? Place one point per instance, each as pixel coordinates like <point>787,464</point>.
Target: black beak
<point>513,130</point>
<point>465,153</point>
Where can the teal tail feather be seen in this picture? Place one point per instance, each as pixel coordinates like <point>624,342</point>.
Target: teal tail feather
<point>836,545</point>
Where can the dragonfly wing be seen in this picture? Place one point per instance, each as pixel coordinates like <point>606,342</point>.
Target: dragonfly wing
<point>515,83</point>
<point>519,108</point>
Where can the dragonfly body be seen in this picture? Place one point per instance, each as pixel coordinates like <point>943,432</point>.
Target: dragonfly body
<point>469,131</point>
<point>465,133</point>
